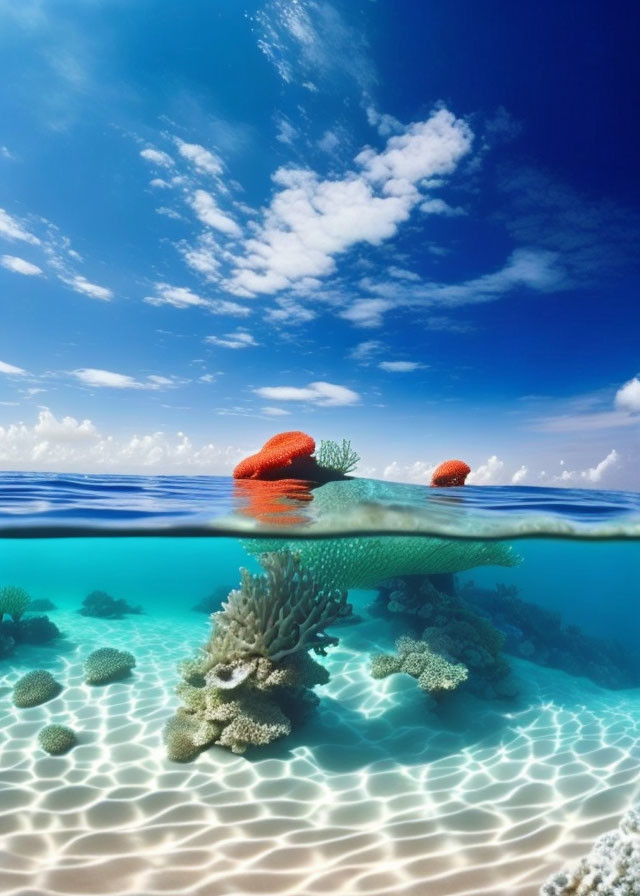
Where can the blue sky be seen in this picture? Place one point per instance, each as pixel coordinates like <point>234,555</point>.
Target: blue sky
<point>412,224</point>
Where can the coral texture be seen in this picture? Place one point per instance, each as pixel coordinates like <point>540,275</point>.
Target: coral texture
<point>14,602</point>
<point>57,739</point>
<point>341,459</point>
<point>34,688</point>
<point>434,672</point>
<point>107,664</point>
<point>365,562</point>
<point>612,868</point>
<point>450,473</point>
<point>102,606</point>
<point>277,453</point>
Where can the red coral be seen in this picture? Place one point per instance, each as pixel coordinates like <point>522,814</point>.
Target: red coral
<point>278,452</point>
<point>451,472</point>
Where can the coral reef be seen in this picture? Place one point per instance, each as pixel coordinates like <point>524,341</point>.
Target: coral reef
<point>365,562</point>
<point>434,672</point>
<point>253,679</point>
<point>14,602</point>
<point>211,603</point>
<point>35,630</point>
<point>34,688</point>
<point>57,739</point>
<point>277,453</point>
<point>612,868</point>
<point>107,664</point>
<point>41,605</point>
<point>537,634</point>
<point>453,630</point>
<point>341,459</point>
<point>102,606</point>
<point>450,473</point>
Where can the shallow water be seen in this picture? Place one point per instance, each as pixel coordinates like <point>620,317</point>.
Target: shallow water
<point>486,789</point>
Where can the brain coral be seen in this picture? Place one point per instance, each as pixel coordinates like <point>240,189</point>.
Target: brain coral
<point>107,664</point>
<point>34,688</point>
<point>277,452</point>
<point>57,739</point>
<point>449,473</point>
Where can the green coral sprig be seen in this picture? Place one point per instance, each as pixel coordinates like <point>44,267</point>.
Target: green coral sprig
<point>338,458</point>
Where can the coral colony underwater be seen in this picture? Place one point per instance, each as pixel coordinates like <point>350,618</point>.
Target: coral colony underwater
<point>398,688</point>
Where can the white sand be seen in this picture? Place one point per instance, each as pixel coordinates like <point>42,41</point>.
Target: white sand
<point>372,798</point>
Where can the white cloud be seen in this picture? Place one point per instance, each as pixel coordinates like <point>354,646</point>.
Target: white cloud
<point>92,376</point>
<point>367,313</point>
<point>12,229</point>
<point>440,207</point>
<point>201,158</point>
<point>275,412</point>
<point>489,473</point>
<point>11,369</point>
<point>19,265</point>
<point>310,221</point>
<point>239,339</point>
<point>182,297</point>
<point>286,133</point>
<point>628,396</point>
<point>419,472</point>
<point>364,351</point>
<point>593,474</point>
<point>320,393</point>
<point>519,475</point>
<point>82,285</point>
<point>157,157</point>
<point>207,211</point>
<point>68,444</point>
<point>289,311</point>
<point>400,366</point>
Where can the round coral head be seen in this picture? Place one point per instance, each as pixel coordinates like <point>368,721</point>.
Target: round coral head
<point>451,472</point>
<point>278,452</point>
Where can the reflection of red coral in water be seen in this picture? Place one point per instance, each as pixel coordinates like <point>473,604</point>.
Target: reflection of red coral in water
<point>451,472</point>
<point>278,452</point>
<point>274,502</point>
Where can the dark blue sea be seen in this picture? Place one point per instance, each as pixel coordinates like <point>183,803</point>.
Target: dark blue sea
<point>410,690</point>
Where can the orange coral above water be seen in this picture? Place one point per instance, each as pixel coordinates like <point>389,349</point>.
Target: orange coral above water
<point>450,472</point>
<point>278,452</point>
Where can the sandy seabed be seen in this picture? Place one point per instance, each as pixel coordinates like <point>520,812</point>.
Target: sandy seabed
<point>373,797</point>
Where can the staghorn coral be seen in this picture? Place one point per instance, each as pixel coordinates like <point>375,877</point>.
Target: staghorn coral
<point>253,678</point>
<point>34,688</point>
<point>450,473</point>
<point>14,602</point>
<point>433,671</point>
<point>612,868</point>
<point>57,739</point>
<point>107,664</point>
<point>278,452</point>
<point>365,562</point>
<point>340,459</point>
<point>275,615</point>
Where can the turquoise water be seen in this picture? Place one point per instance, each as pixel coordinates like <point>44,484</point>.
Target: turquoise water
<point>542,733</point>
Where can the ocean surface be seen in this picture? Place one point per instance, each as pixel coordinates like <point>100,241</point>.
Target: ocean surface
<point>386,783</point>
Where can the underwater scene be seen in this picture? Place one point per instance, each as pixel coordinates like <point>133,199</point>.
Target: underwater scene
<point>251,687</point>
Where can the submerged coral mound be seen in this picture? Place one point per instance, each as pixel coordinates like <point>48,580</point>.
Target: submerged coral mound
<point>34,688</point>
<point>211,602</point>
<point>107,664</point>
<point>538,635</point>
<point>435,673</point>
<point>41,605</point>
<point>102,606</point>
<point>57,739</point>
<point>612,868</point>
<point>254,676</point>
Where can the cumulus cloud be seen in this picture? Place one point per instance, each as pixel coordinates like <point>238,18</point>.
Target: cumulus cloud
<point>628,396</point>
<point>92,376</point>
<point>363,352</point>
<point>208,211</point>
<point>593,474</point>
<point>11,369</point>
<point>489,473</point>
<point>519,475</point>
<point>19,265</point>
<point>80,284</point>
<point>419,472</point>
<point>12,229</point>
<point>320,393</point>
<point>182,297</point>
<point>69,444</point>
<point>275,412</point>
<point>239,339</point>
<point>400,366</point>
<point>157,157</point>
<point>202,159</point>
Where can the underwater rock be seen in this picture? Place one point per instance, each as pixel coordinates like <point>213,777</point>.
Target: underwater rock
<point>211,603</point>
<point>41,605</point>
<point>102,606</point>
<point>13,602</point>
<point>612,868</point>
<point>107,664</point>
<point>254,677</point>
<point>36,630</point>
<point>57,739</point>
<point>34,688</point>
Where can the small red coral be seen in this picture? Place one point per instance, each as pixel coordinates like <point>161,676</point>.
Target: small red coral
<point>279,451</point>
<point>451,472</point>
